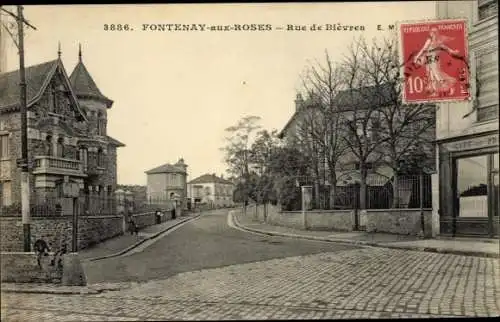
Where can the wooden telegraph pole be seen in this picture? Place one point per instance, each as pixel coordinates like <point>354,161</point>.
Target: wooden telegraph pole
<point>25,188</point>
<point>23,162</point>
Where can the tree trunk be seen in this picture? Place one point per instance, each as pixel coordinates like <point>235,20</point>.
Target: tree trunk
<point>317,198</point>
<point>362,188</point>
<point>333,189</point>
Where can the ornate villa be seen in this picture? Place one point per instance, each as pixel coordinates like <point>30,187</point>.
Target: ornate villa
<point>67,135</point>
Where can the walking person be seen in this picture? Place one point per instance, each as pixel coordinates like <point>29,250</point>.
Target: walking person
<point>41,249</point>
<point>133,227</point>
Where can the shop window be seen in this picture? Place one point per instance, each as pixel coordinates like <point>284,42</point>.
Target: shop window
<point>472,186</point>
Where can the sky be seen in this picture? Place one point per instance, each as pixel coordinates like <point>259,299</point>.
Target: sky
<point>175,92</point>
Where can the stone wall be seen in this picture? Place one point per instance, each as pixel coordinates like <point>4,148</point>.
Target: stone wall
<point>94,229</point>
<point>399,221</point>
<point>58,230</point>
<point>394,221</point>
<point>20,267</point>
<point>337,220</point>
<point>144,220</point>
<point>292,219</point>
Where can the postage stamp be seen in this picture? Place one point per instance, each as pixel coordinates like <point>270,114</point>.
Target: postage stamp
<point>434,61</point>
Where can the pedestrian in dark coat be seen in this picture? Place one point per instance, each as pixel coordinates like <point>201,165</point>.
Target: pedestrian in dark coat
<point>41,249</point>
<point>133,227</point>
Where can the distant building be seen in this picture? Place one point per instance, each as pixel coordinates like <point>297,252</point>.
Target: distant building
<point>212,190</point>
<point>168,181</point>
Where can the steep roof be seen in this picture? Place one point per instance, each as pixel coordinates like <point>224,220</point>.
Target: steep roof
<point>365,97</point>
<point>209,178</point>
<point>114,142</point>
<point>350,100</point>
<point>37,78</point>
<point>166,168</point>
<point>84,85</point>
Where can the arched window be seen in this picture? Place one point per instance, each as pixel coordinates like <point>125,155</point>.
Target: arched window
<point>83,155</point>
<point>48,145</point>
<point>99,123</point>
<point>100,157</point>
<point>60,147</point>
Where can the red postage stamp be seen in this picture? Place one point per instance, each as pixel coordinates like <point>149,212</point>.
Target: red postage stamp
<point>434,60</point>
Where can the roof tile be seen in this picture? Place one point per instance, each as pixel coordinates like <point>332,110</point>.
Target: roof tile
<point>36,76</point>
<point>84,85</point>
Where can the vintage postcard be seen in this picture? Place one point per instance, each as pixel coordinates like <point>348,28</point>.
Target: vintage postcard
<point>249,161</point>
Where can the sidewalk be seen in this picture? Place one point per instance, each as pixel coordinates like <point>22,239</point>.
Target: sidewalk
<point>462,246</point>
<point>121,244</point>
<point>109,248</point>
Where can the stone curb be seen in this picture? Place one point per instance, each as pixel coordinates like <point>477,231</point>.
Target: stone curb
<point>367,243</point>
<point>63,290</point>
<point>123,251</point>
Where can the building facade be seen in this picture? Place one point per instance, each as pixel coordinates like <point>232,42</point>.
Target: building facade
<point>308,121</point>
<point>168,182</point>
<point>211,190</point>
<point>68,145</point>
<point>466,185</point>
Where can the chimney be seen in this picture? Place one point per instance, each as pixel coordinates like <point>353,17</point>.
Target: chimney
<point>299,101</point>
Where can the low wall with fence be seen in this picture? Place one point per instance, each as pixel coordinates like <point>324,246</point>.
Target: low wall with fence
<point>394,221</point>
<point>399,221</point>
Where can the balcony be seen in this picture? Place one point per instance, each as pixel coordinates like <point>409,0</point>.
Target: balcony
<point>58,166</point>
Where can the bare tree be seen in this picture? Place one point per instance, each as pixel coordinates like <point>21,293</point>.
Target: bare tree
<point>322,82</point>
<point>360,103</point>
<point>404,128</point>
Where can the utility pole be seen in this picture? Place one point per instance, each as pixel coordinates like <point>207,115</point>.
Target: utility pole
<point>23,162</point>
<point>25,188</point>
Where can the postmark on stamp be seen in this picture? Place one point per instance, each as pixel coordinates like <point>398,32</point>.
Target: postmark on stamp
<point>434,61</point>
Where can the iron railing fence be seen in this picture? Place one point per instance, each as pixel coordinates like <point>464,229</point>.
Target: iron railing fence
<point>381,193</point>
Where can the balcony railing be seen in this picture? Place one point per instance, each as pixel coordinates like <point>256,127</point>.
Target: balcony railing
<point>55,165</point>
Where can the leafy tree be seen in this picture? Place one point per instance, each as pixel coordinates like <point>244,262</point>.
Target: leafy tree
<point>237,149</point>
<point>288,165</point>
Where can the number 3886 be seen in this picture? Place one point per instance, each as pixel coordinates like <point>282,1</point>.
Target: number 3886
<point>116,27</point>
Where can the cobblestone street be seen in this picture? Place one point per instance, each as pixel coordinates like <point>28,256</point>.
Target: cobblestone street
<point>360,283</point>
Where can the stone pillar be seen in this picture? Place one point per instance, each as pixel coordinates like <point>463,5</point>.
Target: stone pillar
<point>306,203</point>
<point>435,205</point>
